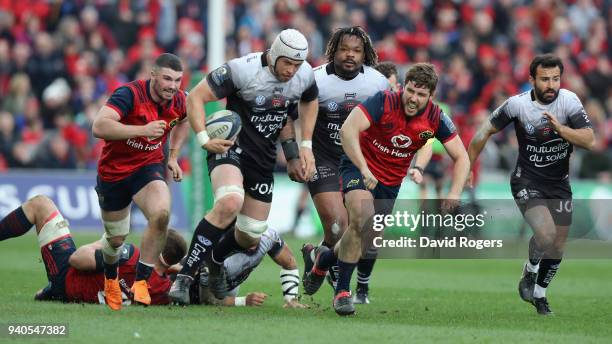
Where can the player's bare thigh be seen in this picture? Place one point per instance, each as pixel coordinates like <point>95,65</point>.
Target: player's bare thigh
<point>226,180</point>
<point>334,217</point>
<point>154,200</point>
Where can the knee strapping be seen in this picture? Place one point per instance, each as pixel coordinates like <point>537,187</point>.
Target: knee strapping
<point>223,191</point>
<point>254,228</point>
<point>110,254</point>
<point>53,229</point>
<point>117,228</point>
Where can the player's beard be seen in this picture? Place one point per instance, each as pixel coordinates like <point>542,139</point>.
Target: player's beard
<point>347,73</point>
<point>546,96</point>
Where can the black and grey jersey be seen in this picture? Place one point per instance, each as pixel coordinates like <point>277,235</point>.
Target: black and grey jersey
<point>261,100</point>
<point>239,266</point>
<point>337,97</point>
<point>543,154</point>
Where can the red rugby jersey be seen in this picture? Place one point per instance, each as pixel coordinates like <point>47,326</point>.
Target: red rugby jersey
<point>83,286</point>
<point>120,158</point>
<point>390,142</point>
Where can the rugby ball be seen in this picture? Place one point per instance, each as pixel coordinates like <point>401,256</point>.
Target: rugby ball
<point>223,124</point>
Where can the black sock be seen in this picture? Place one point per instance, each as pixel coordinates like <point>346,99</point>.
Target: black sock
<point>110,270</point>
<point>535,254</point>
<point>548,270</point>
<point>143,271</point>
<point>326,260</point>
<point>205,237</point>
<point>345,271</point>
<point>14,224</point>
<point>226,246</point>
<point>364,270</point>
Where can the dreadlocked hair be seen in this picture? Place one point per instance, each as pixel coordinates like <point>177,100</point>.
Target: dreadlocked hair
<point>370,55</point>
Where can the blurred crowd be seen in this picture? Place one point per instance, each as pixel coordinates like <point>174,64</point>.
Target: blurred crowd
<point>59,60</point>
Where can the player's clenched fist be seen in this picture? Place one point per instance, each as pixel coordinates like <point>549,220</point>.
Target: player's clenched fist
<point>369,180</point>
<point>155,129</point>
<point>255,299</point>
<point>218,146</point>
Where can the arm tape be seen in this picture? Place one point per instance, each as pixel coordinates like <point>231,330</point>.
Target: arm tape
<point>291,149</point>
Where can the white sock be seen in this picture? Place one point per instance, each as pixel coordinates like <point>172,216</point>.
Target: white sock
<point>531,267</point>
<point>539,292</point>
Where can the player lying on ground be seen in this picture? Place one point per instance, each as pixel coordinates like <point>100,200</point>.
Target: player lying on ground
<point>77,275</point>
<point>238,267</point>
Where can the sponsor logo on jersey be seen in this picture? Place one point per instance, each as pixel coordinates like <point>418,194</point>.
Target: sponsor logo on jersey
<point>530,129</point>
<point>173,123</point>
<point>260,100</point>
<point>350,96</point>
<point>202,239</point>
<point>349,105</point>
<point>426,135</point>
<point>352,183</point>
<point>401,141</point>
<point>219,75</point>
<point>332,106</point>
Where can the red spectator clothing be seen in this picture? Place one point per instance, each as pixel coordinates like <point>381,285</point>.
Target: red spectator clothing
<point>120,158</point>
<point>390,142</point>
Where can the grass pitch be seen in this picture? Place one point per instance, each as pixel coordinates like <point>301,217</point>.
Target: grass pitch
<point>412,301</point>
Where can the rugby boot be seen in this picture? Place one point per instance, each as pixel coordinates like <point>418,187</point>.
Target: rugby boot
<point>112,293</point>
<point>140,290</point>
<point>307,250</point>
<point>179,292</point>
<point>541,306</point>
<point>361,297</point>
<point>527,284</point>
<point>217,283</point>
<point>343,303</point>
<point>314,278</point>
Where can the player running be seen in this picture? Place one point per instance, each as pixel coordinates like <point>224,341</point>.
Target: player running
<point>344,81</point>
<point>379,138</point>
<point>548,122</point>
<point>135,123</point>
<point>261,87</point>
<point>76,275</point>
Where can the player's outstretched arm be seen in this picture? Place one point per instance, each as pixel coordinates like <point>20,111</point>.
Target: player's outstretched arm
<point>106,126</point>
<point>455,149</point>
<point>308,111</point>
<point>355,123</point>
